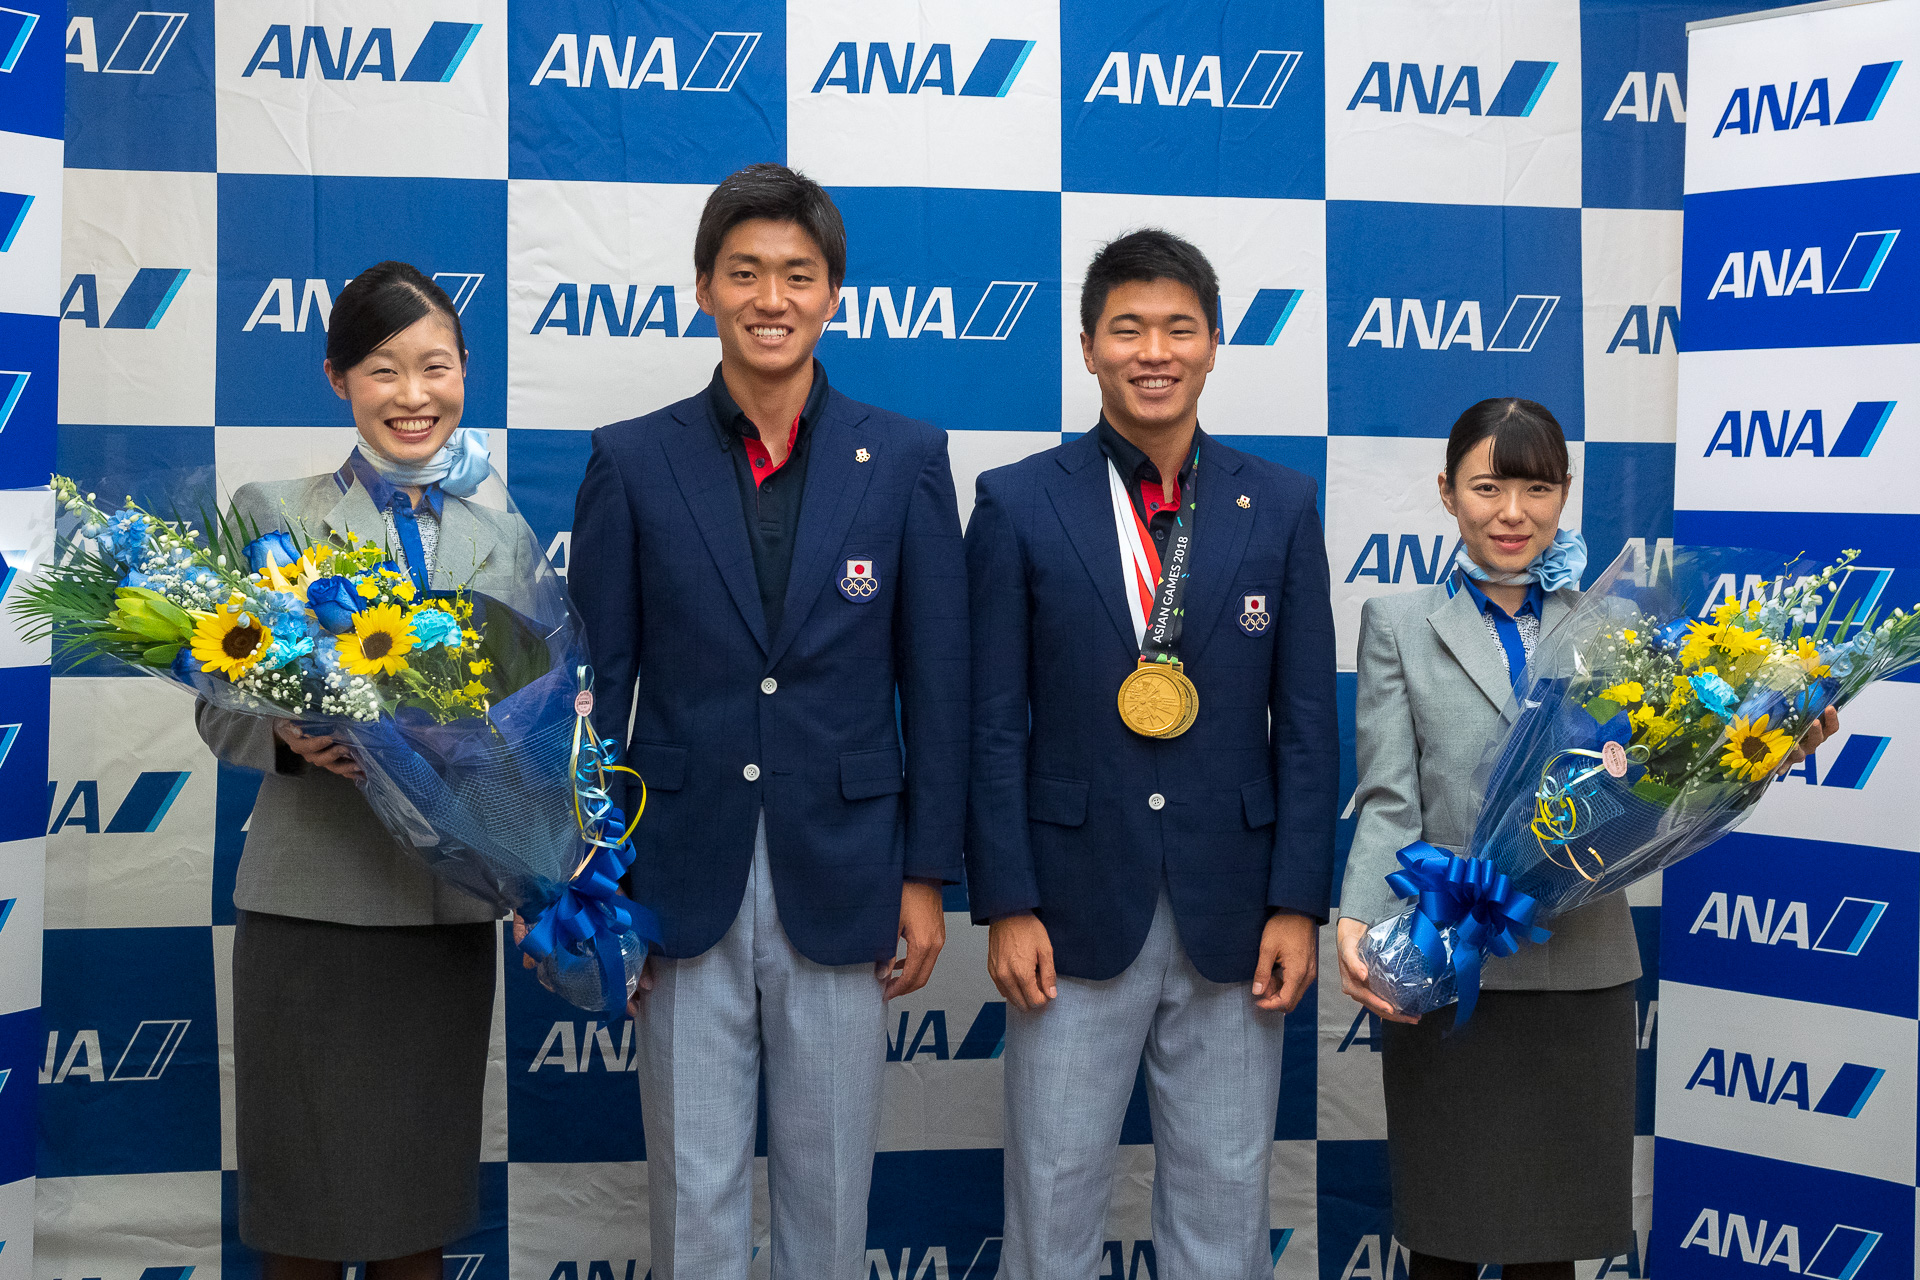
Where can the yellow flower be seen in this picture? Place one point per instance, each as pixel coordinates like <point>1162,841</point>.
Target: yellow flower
<point>1625,694</point>
<point>405,591</point>
<point>1630,635</point>
<point>1703,639</point>
<point>368,589</point>
<point>1738,641</point>
<point>1753,750</point>
<point>1809,657</point>
<point>1651,727</point>
<point>475,689</point>
<point>230,640</point>
<point>379,642</point>
<point>480,666</point>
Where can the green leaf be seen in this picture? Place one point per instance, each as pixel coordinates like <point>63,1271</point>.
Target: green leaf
<point>1603,709</point>
<point>160,605</point>
<point>161,655</point>
<point>1657,793</point>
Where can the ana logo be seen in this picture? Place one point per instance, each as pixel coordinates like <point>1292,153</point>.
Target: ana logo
<point>1265,317</point>
<point>1751,276</point>
<point>1858,434</point>
<point>992,318</point>
<point>1632,101</point>
<point>929,1262</point>
<point>276,306</point>
<point>1767,107</point>
<point>1845,932</point>
<point>1839,1256</point>
<point>1380,560</point>
<point>573,1054</point>
<point>142,47</point>
<point>8,732</point>
<point>12,383</point>
<point>13,212</point>
<point>1648,329</point>
<point>993,73</point>
<point>1519,92</point>
<point>146,1057</point>
<point>718,66</point>
<point>435,60</point>
<point>986,1037</point>
<point>1377,1259</point>
<point>15,26</point>
<point>659,313</point>
<point>1845,1095</point>
<point>1524,320</point>
<point>144,808</point>
<point>1127,78</point>
<point>140,307</point>
<point>1858,758</point>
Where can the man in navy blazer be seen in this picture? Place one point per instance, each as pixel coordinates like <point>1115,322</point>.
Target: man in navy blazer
<point>764,569</point>
<point>1154,896</point>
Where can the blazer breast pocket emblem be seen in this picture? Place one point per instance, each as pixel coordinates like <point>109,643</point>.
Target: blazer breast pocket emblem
<point>1254,618</point>
<point>859,582</point>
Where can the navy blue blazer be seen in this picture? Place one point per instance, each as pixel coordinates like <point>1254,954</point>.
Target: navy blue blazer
<point>1059,814</point>
<point>728,720</point>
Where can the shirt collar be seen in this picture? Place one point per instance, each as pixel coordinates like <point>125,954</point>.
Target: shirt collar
<point>379,489</point>
<point>1536,600</point>
<point>1135,465</point>
<point>731,422</point>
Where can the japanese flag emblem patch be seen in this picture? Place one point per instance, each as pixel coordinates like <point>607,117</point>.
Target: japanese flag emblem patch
<point>1254,618</point>
<point>859,582</point>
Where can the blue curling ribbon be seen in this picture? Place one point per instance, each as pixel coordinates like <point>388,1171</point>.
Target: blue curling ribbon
<point>591,908</point>
<point>1479,903</point>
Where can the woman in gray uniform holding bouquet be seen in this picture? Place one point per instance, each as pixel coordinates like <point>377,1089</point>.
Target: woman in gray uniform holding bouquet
<point>1511,1142</point>
<point>362,985</point>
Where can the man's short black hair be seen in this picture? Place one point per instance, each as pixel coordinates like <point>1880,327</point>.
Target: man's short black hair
<point>776,192</point>
<point>1149,254</point>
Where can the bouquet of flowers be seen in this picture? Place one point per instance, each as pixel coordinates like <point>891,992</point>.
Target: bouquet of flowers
<point>466,711</point>
<point>1649,722</point>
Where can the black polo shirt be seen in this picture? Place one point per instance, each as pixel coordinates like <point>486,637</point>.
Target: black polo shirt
<point>1142,480</point>
<point>769,495</point>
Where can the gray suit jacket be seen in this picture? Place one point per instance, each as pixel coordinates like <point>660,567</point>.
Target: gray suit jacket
<point>314,847</point>
<point>1433,692</point>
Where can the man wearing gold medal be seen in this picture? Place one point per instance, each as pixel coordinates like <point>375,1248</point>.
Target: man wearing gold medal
<point>1154,768</point>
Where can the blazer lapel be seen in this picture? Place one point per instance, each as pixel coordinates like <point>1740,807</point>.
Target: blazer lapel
<point>1558,605</point>
<point>704,472</point>
<point>1083,498</point>
<point>836,484</point>
<point>467,542</point>
<point>1221,531</point>
<point>355,513</point>
<point>1464,632</point>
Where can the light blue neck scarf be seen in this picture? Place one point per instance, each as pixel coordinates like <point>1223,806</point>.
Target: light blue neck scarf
<point>1560,565</point>
<point>459,466</point>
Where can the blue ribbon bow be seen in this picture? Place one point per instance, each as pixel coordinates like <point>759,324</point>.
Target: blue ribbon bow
<point>1479,903</point>
<point>591,908</point>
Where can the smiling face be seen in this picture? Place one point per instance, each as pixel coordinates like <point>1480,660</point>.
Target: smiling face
<point>1505,521</point>
<point>407,395</point>
<point>1152,350</point>
<point>769,298</point>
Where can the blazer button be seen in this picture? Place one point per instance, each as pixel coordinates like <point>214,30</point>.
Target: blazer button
<point>1156,801</point>
<point>752,774</point>
<point>769,685</point>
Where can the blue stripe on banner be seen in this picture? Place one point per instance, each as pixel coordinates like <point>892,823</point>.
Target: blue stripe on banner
<point>1856,763</point>
<point>146,805</point>
<point>1849,927</point>
<point>12,383</point>
<point>147,298</point>
<point>15,27</point>
<point>1522,88</point>
<point>998,67</point>
<point>721,61</point>
<point>13,213</point>
<point>987,1037</point>
<point>1869,87</point>
<point>441,52</point>
<point>1852,1085</point>
<point>1862,429</point>
<point>1266,317</point>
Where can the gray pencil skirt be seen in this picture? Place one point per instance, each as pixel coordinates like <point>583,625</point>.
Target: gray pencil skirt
<point>359,1059</point>
<point>1513,1141</point>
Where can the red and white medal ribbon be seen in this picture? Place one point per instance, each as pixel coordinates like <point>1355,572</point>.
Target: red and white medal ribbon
<point>1139,561</point>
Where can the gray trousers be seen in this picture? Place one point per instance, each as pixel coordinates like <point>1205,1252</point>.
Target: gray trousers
<point>705,1032</point>
<point>1213,1086</point>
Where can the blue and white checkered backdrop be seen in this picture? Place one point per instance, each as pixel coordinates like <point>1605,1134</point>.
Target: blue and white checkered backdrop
<point>1412,204</point>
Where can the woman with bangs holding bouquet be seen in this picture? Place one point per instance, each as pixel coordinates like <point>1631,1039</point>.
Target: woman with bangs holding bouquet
<point>362,984</point>
<point>1539,1089</point>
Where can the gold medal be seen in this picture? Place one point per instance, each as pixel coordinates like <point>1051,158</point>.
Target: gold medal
<point>1158,701</point>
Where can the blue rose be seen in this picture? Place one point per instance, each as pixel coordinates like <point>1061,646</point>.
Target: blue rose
<point>271,548</point>
<point>334,601</point>
<point>436,626</point>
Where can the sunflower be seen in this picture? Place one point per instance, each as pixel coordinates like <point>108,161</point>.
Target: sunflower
<point>1703,639</point>
<point>1753,750</point>
<point>377,643</point>
<point>230,640</point>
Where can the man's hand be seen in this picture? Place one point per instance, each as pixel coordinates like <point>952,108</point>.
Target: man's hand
<point>1818,732</point>
<point>1290,944</point>
<point>1020,961</point>
<point>923,923</point>
<point>1353,972</point>
<point>318,750</point>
